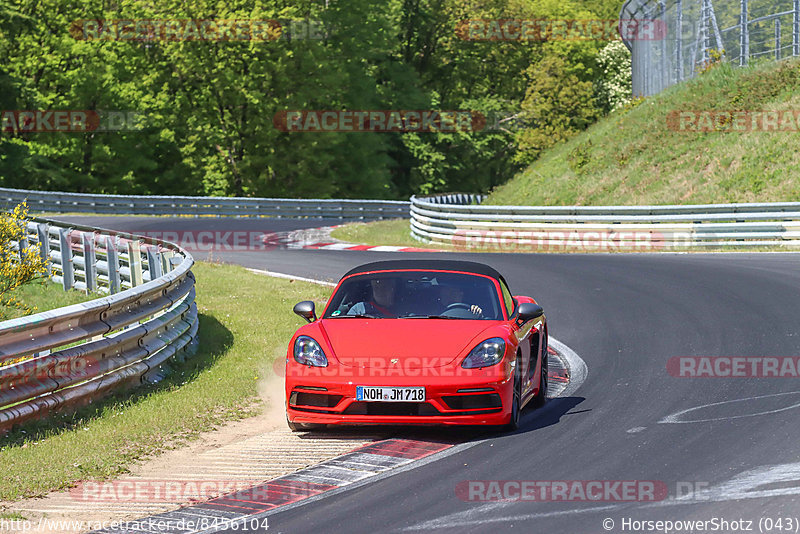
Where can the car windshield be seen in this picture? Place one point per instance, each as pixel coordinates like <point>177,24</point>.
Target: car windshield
<point>416,295</point>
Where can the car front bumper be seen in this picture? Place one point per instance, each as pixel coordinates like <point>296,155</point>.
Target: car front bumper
<point>467,397</point>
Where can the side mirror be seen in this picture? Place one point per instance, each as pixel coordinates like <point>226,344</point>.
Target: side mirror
<point>305,310</point>
<point>528,311</point>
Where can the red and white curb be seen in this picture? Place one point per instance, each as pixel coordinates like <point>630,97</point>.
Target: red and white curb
<point>242,506</point>
<point>377,248</point>
<point>320,239</point>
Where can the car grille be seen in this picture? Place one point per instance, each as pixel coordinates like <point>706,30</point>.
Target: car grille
<point>391,408</point>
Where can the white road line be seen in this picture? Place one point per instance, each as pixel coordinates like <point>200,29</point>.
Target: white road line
<point>675,417</point>
<point>386,248</point>
<point>473,517</point>
<point>333,246</point>
<point>292,277</point>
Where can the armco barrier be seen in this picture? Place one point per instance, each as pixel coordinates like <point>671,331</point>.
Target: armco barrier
<point>57,202</point>
<point>70,356</point>
<point>460,220</point>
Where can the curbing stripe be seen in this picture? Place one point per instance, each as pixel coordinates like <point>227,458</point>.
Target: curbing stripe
<point>355,466</point>
<point>320,239</point>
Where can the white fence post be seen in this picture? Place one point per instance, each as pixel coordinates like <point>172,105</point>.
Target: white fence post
<point>67,271</point>
<point>89,262</point>
<point>112,256</point>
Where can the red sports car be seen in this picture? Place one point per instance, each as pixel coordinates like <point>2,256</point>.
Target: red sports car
<point>417,342</point>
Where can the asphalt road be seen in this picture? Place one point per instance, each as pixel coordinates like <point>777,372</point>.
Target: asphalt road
<point>625,315</point>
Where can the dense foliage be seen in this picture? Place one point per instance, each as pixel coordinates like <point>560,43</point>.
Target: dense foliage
<point>206,108</point>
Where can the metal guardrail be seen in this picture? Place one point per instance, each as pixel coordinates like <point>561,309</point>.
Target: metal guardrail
<point>50,201</point>
<point>463,222</point>
<point>70,356</point>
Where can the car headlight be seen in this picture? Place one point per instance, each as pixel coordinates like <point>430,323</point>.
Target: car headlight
<point>486,354</point>
<point>308,352</point>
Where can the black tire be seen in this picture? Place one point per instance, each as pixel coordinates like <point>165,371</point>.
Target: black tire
<point>541,397</point>
<point>516,399</point>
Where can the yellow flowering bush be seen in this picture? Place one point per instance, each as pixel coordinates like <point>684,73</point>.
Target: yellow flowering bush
<point>17,267</point>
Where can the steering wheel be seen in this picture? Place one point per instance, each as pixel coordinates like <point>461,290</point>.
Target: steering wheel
<point>458,305</point>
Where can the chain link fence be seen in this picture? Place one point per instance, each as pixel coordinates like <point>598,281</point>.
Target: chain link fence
<point>697,32</point>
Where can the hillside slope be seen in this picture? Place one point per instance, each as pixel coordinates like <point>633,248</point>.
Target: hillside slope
<point>634,156</point>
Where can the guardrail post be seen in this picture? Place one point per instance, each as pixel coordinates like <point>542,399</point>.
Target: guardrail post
<point>89,262</point>
<point>112,256</point>
<point>166,264</point>
<point>44,245</point>
<point>153,263</point>
<point>135,259</point>
<point>68,274</point>
<point>23,244</point>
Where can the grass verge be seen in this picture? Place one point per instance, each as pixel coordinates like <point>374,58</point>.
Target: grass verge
<point>245,323</point>
<point>642,156</point>
<point>394,232</point>
<point>43,295</point>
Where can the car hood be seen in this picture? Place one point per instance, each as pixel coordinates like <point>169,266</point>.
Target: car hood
<point>411,343</point>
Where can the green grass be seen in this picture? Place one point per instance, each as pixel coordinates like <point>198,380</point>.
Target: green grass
<point>633,157</point>
<point>245,322</point>
<point>43,295</point>
<point>389,232</point>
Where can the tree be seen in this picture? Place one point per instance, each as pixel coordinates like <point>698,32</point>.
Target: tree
<point>614,85</point>
<point>557,105</point>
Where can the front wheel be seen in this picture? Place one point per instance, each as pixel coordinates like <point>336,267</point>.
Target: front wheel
<point>541,396</point>
<point>516,399</point>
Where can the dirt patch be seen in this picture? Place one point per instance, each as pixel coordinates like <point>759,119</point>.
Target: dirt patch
<point>236,455</point>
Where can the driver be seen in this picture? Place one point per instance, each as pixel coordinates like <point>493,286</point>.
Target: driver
<point>450,296</point>
<point>382,302</point>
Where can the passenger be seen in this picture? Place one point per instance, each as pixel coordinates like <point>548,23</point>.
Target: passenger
<point>382,302</point>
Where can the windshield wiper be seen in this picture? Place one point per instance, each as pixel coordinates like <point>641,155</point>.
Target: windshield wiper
<point>356,316</point>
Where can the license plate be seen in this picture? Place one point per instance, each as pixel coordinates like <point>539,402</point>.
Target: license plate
<point>390,394</point>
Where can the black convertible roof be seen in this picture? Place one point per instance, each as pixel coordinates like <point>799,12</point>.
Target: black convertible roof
<point>428,265</point>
